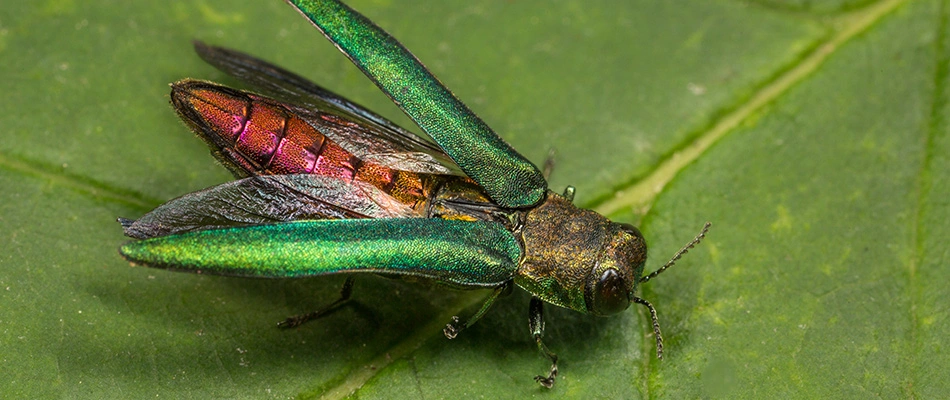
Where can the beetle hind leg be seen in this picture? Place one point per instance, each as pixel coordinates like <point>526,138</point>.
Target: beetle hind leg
<point>301,319</point>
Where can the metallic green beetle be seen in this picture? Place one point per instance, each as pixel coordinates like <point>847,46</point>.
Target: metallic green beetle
<point>327,187</point>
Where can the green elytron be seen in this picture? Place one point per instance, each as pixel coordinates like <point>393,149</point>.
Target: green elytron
<point>326,187</point>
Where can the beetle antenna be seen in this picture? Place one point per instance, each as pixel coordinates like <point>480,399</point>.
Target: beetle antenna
<point>656,326</point>
<point>684,250</point>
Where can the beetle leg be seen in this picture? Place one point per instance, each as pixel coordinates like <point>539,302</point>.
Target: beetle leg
<point>536,325</point>
<point>298,320</point>
<point>656,326</point>
<point>569,193</point>
<point>548,164</point>
<point>453,328</point>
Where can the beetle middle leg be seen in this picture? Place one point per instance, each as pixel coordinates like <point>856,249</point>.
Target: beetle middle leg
<point>298,320</point>
<point>453,328</point>
<point>536,325</point>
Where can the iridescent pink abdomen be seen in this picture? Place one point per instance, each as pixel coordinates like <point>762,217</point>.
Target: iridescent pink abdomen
<point>265,138</point>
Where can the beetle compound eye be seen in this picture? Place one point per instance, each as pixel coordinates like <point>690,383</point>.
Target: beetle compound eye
<point>610,294</point>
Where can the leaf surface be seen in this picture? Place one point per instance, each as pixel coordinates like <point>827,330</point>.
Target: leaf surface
<point>814,137</point>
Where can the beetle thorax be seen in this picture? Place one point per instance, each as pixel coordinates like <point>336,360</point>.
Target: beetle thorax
<point>564,247</point>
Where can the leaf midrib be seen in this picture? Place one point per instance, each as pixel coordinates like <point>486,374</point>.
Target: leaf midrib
<point>640,196</point>
<point>936,125</point>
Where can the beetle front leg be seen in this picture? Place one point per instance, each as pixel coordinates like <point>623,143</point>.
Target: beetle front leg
<point>453,328</point>
<point>298,320</point>
<point>536,325</point>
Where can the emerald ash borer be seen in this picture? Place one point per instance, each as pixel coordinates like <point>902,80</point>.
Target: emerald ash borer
<point>325,186</point>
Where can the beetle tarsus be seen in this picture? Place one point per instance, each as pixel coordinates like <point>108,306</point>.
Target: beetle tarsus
<point>548,381</point>
<point>297,320</point>
<point>452,329</point>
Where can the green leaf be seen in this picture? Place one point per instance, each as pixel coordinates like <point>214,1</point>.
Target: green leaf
<point>814,135</point>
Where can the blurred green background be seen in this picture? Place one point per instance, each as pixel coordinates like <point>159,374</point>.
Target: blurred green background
<point>814,135</point>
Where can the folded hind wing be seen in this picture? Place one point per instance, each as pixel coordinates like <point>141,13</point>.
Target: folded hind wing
<point>266,199</point>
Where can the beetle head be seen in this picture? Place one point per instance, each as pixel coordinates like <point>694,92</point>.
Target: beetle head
<point>611,283</point>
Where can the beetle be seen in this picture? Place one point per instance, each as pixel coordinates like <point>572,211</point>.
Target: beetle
<point>326,186</point>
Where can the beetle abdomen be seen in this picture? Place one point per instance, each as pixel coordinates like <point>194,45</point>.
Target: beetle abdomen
<point>262,137</point>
